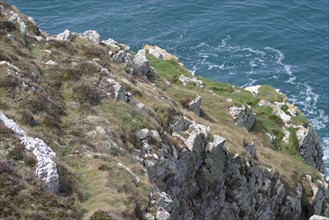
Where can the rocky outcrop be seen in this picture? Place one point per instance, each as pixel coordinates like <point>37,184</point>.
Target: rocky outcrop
<point>243,116</point>
<point>309,147</point>
<point>195,105</point>
<point>142,66</point>
<point>112,88</point>
<point>205,181</point>
<point>66,35</point>
<point>161,53</point>
<point>92,36</point>
<point>308,144</point>
<point>187,80</point>
<point>46,168</point>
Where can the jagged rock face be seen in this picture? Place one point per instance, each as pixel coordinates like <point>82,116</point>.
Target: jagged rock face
<point>46,168</point>
<point>243,116</point>
<point>195,105</point>
<point>142,66</point>
<point>309,147</point>
<point>206,182</point>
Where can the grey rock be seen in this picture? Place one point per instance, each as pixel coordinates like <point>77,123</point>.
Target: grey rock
<point>165,202</point>
<point>92,36</point>
<point>195,105</point>
<point>111,43</point>
<point>66,35</point>
<point>51,63</point>
<point>141,64</point>
<point>251,149</point>
<point>309,147</point>
<point>162,215</point>
<point>186,80</point>
<point>181,125</point>
<point>243,116</point>
<point>14,17</point>
<point>149,216</point>
<point>143,134</point>
<point>104,72</point>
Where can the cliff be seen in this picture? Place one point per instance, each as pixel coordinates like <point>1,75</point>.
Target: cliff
<point>92,130</point>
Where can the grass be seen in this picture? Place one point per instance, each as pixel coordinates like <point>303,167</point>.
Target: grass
<point>168,69</point>
<point>110,196</point>
<point>268,93</point>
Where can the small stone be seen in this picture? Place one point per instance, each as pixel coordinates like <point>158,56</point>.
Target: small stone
<point>51,62</point>
<point>143,134</point>
<point>148,216</point>
<point>162,215</point>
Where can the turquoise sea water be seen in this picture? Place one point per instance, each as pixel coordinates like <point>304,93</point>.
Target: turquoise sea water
<point>281,43</point>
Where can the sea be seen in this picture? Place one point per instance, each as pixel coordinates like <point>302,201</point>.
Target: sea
<point>243,42</point>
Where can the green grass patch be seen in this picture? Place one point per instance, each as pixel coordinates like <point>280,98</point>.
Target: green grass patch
<point>168,69</point>
<point>299,119</point>
<point>263,110</point>
<point>269,94</point>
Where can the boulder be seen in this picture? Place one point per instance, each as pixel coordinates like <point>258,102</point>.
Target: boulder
<point>141,65</point>
<point>92,36</point>
<point>65,35</point>
<point>51,63</point>
<point>161,214</point>
<point>112,44</point>
<point>253,89</point>
<point>14,17</point>
<point>243,116</point>
<point>181,125</point>
<point>143,134</point>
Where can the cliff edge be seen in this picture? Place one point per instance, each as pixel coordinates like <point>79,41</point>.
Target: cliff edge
<point>90,129</point>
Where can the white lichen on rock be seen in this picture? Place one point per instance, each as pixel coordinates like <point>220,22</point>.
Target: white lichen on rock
<point>243,116</point>
<point>46,169</point>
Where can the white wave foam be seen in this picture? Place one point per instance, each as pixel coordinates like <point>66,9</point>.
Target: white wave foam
<point>200,45</point>
<point>250,82</point>
<point>325,147</point>
<point>253,64</point>
<point>280,57</point>
<point>225,40</point>
<point>258,52</point>
<point>223,66</point>
<point>321,121</point>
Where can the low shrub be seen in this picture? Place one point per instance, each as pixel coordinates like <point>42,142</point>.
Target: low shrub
<point>101,215</point>
<point>52,122</point>
<point>92,52</point>
<point>276,119</point>
<point>7,26</point>
<point>9,81</point>
<point>17,153</point>
<point>86,93</point>
<point>29,160</point>
<point>28,119</point>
